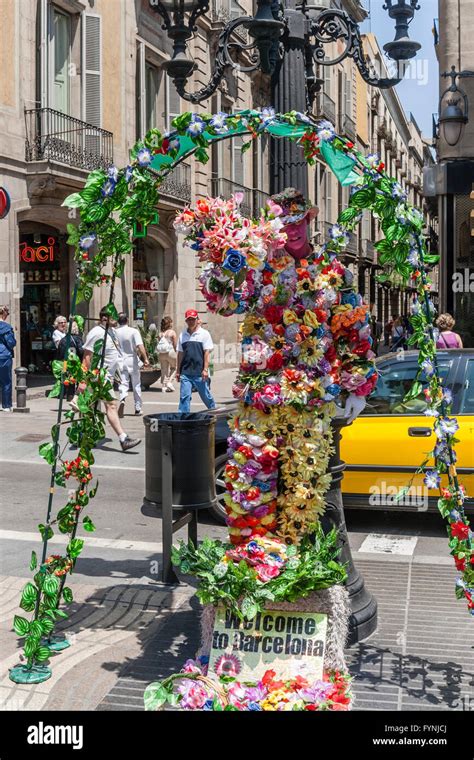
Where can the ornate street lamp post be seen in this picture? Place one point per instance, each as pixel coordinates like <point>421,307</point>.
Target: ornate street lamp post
<point>274,33</point>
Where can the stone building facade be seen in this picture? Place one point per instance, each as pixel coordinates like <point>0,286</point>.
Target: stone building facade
<point>453,178</point>
<point>81,80</point>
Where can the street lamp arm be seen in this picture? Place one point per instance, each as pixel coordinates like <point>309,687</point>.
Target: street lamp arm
<point>332,25</point>
<point>222,60</point>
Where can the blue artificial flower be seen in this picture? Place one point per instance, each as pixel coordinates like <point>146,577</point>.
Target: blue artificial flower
<point>334,389</point>
<point>267,114</point>
<point>302,117</point>
<point>128,174</point>
<point>87,241</point>
<point>246,341</point>
<point>320,332</point>
<point>373,159</point>
<point>234,261</point>
<point>144,157</point>
<point>253,706</point>
<point>208,704</point>
<point>413,258</point>
<point>196,126</point>
<point>428,368</point>
<point>335,232</point>
<point>195,246</point>
<point>455,515</point>
<point>398,192</point>
<point>112,173</point>
<point>432,479</point>
<point>350,298</point>
<point>219,122</point>
<point>325,131</point>
<point>108,188</point>
<point>448,395</point>
<point>447,426</point>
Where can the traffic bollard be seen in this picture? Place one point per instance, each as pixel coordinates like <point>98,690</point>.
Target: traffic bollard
<point>21,387</point>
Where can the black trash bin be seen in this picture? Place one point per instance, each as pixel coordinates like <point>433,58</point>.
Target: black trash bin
<point>193,459</point>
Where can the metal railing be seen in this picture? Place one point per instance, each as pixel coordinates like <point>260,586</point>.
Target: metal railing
<point>347,127</point>
<point>368,250</point>
<point>253,200</point>
<point>177,183</point>
<point>55,136</point>
<point>326,107</point>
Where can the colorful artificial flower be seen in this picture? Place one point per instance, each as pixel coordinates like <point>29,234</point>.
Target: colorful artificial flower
<point>196,126</point>
<point>432,479</point>
<point>144,157</point>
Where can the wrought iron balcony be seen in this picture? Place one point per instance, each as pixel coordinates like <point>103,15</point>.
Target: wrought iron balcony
<point>347,127</point>
<point>253,200</point>
<point>178,183</point>
<point>55,136</point>
<point>326,107</point>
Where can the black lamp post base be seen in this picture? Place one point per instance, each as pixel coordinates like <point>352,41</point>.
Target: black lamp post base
<point>363,619</point>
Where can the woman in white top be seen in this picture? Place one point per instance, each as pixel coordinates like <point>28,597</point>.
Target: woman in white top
<point>168,341</point>
<point>60,329</point>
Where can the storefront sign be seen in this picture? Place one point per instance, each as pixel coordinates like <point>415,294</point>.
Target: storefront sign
<point>151,284</point>
<point>290,643</point>
<point>4,202</point>
<point>38,254</point>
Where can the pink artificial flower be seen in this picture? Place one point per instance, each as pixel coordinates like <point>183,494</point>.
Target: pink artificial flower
<point>267,572</point>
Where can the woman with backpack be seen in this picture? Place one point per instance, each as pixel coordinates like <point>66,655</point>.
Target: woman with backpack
<point>167,352</point>
<point>76,346</point>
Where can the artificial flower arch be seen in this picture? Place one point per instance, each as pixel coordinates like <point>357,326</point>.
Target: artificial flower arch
<point>112,205</point>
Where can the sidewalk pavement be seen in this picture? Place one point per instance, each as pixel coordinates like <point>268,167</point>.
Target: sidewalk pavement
<point>126,635</point>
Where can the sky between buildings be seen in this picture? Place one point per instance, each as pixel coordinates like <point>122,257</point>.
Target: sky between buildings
<point>418,92</point>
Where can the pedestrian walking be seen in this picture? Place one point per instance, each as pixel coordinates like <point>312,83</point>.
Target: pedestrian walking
<point>60,329</point>
<point>113,361</point>
<point>447,338</point>
<point>76,346</point>
<point>7,344</point>
<point>134,356</point>
<point>194,350</point>
<point>166,348</point>
<point>387,330</point>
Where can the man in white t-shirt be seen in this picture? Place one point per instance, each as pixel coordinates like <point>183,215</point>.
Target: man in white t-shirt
<point>131,344</point>
<point>113,361</point>
<point>194,351</point>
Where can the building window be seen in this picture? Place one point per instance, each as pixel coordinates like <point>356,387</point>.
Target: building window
<point>152,85</point>
<point>60,60</point>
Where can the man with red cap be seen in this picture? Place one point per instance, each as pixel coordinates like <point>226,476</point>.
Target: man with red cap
<point>194,351</point>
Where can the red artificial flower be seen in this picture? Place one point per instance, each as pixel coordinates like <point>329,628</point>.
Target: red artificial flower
<point>279,330</point>
<point>460,563</point>
<point>362,348</point>
<point>246,451</point>
<point>472,559</point>
<point>267,277</point>
<point>349,144</point>
<point>321,315</point>
<point>273,314</point>
<point>310,707</point>
<point>330,354</point>
<point>381,167</point>
<point>275,361</point>
<point>460,530</point>
<point>252,493</point>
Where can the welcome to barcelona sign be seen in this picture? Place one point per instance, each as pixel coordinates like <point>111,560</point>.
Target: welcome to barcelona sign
<point>290,643</point>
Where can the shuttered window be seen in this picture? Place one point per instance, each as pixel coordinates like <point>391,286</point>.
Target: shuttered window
<point>92,70</point>
<point>61,54</point>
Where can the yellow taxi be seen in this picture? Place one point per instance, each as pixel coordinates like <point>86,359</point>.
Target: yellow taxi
<point>386,444</point>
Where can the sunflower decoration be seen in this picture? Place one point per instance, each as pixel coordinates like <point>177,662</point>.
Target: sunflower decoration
<point>253,325</point>
<point>310,353</point>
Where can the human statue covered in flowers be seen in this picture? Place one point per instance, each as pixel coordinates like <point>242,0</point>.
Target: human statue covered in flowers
<point>306,358</point>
